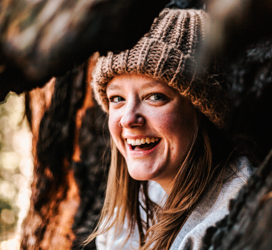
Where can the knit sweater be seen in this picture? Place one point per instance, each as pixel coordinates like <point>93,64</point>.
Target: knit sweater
<point>212,208</point>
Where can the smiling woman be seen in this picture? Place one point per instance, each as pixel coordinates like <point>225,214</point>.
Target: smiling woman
<point>173,170</point>
<point>143,114</point>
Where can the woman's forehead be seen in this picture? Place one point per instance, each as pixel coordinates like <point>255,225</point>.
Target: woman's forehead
<point>134,80</point>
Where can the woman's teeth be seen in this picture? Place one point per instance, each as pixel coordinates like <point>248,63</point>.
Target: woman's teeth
<point>138,142</point>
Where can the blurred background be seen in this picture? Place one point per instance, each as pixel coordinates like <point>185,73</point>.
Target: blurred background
<point>16,170</point>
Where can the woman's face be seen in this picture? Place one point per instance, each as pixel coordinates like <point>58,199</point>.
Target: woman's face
<point>152,125</point>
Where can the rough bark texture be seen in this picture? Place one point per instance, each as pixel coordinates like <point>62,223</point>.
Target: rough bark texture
<point>248,226</point>
<point>237,24</point>
<point>41,39</point>
<point>250,80</point>
<point>69,143</point>
<point>247,45</point>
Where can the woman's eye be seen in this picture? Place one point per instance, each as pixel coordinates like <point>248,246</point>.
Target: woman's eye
<point>157,97</point>
<point>116,99</point>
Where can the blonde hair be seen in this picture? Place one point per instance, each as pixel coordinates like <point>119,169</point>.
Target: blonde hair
<point>200,171</point>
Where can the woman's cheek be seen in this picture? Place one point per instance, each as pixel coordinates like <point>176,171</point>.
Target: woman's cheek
<point>113,126</point>
<point>116,132</point>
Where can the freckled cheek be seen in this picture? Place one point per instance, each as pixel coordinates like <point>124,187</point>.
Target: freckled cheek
<point>168,123</point>
<point>177,129</point>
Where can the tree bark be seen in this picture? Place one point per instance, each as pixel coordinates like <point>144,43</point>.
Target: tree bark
<point>69,143</point>
<point>41,39</point>
<point>236,24</point>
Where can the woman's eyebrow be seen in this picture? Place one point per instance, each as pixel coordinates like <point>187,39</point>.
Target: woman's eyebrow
<point>153,83</point>
<point>113,87</point>
<point>150,84</point>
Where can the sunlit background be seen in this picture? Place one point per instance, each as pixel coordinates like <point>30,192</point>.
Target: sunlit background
<point>16,168</point>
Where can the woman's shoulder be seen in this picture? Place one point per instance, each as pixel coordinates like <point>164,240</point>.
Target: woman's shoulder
<point>242,168</point>
<point>238,174</point>
<point>213,207</point>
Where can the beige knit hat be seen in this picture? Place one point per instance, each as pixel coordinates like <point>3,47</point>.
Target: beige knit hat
<point>167,53</point>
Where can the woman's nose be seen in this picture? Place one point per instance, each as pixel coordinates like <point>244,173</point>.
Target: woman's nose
<point>132,117</point>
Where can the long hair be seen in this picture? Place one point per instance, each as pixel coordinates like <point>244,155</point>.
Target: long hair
<point>204,168</point>
<point>122,201</point>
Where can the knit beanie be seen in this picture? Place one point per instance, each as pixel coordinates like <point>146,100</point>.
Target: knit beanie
<point>168,53</point>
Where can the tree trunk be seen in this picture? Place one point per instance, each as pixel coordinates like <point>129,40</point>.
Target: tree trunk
<point>70,148</point>
<point>41,39</point>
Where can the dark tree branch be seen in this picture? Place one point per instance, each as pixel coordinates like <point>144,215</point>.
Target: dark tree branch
<point>186,4</point>
<point>41,39</point>
<point>236,24</point>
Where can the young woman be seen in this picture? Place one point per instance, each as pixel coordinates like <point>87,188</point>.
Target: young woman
<point>172,169</point>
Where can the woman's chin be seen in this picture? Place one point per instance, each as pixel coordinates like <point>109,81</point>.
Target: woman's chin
<point>144,174</point>
<point>139,175</point>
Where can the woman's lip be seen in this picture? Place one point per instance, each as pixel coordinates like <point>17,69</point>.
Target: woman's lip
<point>139,137</point>
<point>142,152</point>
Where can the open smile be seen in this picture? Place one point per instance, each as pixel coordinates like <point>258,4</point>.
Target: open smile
<point>143,143</point>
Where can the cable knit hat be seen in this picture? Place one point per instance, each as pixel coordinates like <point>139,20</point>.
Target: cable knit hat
<point>167,53</point>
